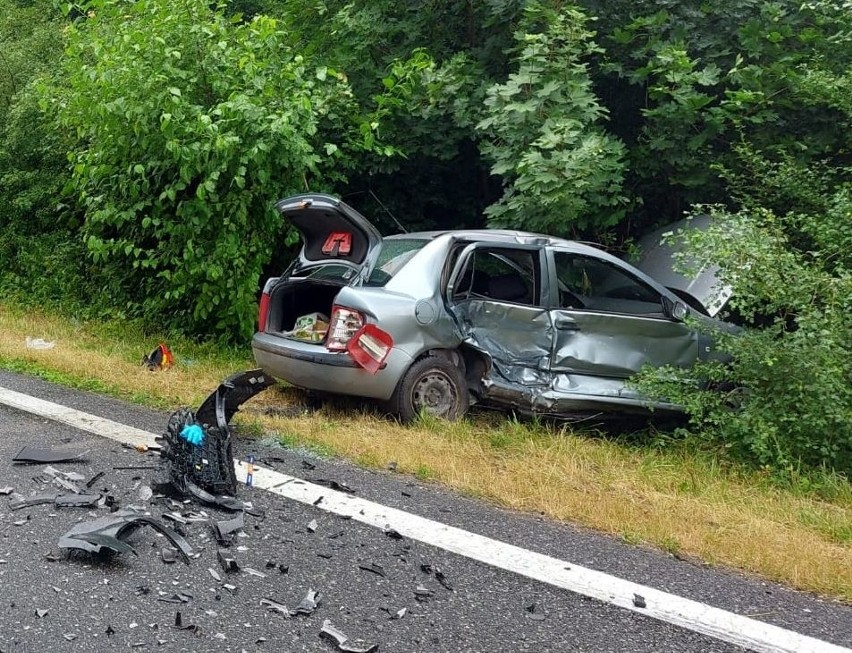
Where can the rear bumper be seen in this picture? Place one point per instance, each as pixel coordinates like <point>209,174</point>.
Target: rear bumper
<point>312,366</point>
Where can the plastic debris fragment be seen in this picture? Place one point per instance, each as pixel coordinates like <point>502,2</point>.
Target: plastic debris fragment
<point>253,572</point>
<point>312,526</point>
<point>224,530</point>
<point>639,601</point>
<point>342,642</point>
<point>6,490</point>
<point>275,606</point>
<point>193,628</point>
<point>168,555</point>
<point>93,536</point>
<point>161,358</point>
<point>228,562</point>
<point>77,500</point>
<point>39,343</point>
<point>373,567</point>
<point>393,534</point>
<point>34,455</point>
<point>334,485</point>
<point>399,614</point>
<point>35,500</point>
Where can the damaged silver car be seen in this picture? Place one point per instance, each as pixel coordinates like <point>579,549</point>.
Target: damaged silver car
<point>437,321</point>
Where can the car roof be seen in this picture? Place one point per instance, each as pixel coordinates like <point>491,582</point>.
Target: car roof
<point>499,236</point>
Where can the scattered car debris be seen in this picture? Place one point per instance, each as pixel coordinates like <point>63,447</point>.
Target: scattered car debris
<point>214,574</point>
<point>168,555</point>
<point>77,500</point>
<point>374,568</point>
<point>93,536</point>
<point>193,628</point>
<point>393,534</point>
<point>334,485</point>
<point>441,578</point>
<point>342,642</point>
<point>94,479</point>
<point>310,603</point>
<point>639,601</point>
<point>179,597</point>
<point>69,636</point>
<point>35,500</point>
<point>312,526</point>
<point>33,455</point>
<point>253,572</point>
<point>39,344</point>
<point>41,614</point>
<point>423,593</point>
<point>399,614</point>
<point>308,466</point>
<point>161,358</point>
<point>224,530</point>
<point>274,606</point>
<point>6,490</point>
<point>228,562</point>
<point>532,614</point>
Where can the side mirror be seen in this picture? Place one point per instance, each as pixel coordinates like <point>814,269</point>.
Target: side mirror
<point>676,310</point>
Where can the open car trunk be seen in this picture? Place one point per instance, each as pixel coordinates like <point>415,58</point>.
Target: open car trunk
<point>300,308</point>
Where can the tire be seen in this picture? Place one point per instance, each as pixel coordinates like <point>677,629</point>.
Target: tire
<point>433,385</point>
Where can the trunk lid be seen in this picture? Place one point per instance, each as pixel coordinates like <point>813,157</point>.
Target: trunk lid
<point>332,233</point>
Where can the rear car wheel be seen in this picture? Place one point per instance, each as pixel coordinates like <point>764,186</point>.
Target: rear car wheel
<point>433,385</point>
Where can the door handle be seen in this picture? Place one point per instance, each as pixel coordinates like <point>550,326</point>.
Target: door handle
<point>565,324</point>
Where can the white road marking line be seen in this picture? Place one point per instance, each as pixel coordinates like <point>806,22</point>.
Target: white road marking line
<point>84,421</point>
<point>692,615</point>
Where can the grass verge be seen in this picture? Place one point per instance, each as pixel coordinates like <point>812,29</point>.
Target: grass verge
<point>678,500</point>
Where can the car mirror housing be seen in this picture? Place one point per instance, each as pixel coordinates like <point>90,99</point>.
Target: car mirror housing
<point>676,310</point>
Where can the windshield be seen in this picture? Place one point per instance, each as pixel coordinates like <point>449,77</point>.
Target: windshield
<point>395,253</point>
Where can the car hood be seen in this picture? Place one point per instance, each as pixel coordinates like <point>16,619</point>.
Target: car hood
<point>658,261</point>
<point>331,230</point>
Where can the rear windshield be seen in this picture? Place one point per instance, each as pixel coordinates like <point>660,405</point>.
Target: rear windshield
<point>395,253</point>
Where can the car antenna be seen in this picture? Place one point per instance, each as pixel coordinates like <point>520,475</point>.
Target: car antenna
<point>393,217</point>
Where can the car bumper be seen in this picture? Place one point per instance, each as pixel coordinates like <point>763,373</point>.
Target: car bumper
<point>312,366</point>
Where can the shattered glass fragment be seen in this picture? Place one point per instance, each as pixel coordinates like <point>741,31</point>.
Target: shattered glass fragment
<point>228,563</point>
<point>374,568</point>
<point>342,642</point>
<point>34,455</point>
<point>310,603</point>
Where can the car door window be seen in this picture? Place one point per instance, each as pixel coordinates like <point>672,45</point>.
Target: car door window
<point>593,284</point>
<point>504,275</point>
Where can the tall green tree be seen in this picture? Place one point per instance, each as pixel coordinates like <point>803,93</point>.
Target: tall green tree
<point>192,125</point>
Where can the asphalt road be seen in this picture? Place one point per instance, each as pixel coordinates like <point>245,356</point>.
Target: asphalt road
<point>50,600</point>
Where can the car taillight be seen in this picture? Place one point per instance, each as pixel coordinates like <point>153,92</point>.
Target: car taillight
<point>344,324</point>
<point>369,347</point>
<point>263,308</point>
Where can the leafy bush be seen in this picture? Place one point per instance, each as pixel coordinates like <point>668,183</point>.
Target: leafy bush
<point>193,124</point>
<point>785,399</point>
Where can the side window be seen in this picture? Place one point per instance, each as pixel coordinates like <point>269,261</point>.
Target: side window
<point>596,285</point>
<point>506,275</point>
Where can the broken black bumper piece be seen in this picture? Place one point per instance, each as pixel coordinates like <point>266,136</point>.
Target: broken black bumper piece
<point>198,445</point>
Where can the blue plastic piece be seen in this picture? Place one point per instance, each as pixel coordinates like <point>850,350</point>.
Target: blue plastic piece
<point>193,434</point>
